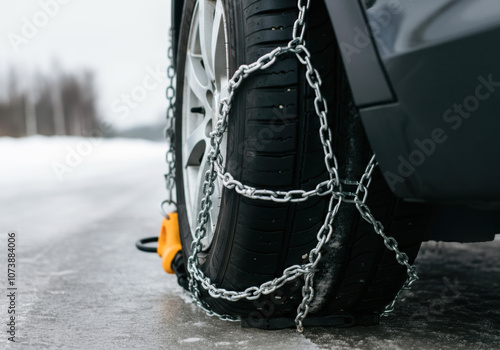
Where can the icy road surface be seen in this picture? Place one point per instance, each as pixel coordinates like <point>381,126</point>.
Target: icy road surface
<point>82,283</point>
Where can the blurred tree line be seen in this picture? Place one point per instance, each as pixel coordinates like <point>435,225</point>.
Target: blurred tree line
<point>62,104</point>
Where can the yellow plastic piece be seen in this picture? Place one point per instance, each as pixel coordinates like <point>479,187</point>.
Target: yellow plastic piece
<point>169,242</point>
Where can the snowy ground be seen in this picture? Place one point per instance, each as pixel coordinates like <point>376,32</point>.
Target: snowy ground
<point>78,207</point>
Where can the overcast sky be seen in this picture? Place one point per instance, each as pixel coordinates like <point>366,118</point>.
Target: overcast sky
<point>123,41</point>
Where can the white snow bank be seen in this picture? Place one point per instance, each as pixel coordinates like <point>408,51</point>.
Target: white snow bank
<point>65,159</point>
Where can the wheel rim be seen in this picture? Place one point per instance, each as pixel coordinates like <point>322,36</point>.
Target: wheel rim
<point>205,80</point>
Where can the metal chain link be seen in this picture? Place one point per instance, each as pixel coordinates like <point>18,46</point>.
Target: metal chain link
<point>169,130</point>
<point>334,187</point>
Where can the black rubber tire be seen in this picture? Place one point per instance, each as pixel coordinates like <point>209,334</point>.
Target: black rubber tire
<point>273,143</point>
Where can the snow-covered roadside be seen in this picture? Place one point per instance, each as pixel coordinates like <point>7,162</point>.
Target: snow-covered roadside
<point>91,186</point>
<point>53,161</point>
<point>111,191</point>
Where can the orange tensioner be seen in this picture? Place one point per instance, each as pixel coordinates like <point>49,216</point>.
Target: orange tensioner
<point>169,249</point>
<point>169,241</point>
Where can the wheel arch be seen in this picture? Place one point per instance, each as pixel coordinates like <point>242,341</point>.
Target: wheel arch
<point>367,78</point>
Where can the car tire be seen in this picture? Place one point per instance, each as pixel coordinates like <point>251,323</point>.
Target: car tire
<point>272,142</point>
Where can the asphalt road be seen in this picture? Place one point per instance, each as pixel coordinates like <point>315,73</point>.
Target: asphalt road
<point>82,283</point>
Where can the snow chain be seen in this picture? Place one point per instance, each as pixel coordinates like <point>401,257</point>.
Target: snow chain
<point>170,132</point>
<point>332,187</point>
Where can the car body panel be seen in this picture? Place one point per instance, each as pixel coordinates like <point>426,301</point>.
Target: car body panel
<point>438,140</point>
<point>409,62</point>
<point>366,74</point>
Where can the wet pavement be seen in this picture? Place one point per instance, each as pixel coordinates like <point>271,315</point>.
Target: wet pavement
<point>82,283</point>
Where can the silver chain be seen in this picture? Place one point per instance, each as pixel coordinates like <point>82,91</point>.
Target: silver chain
<point>170,130</point>
<point>332,187</point>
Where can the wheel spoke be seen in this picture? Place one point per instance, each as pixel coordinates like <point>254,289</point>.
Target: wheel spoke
<point>216,200</point>
<point>218,45</point>
<point>206,15</point>
<point>198,193</point>
<point>195,145</point>
<point>198,81</point>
